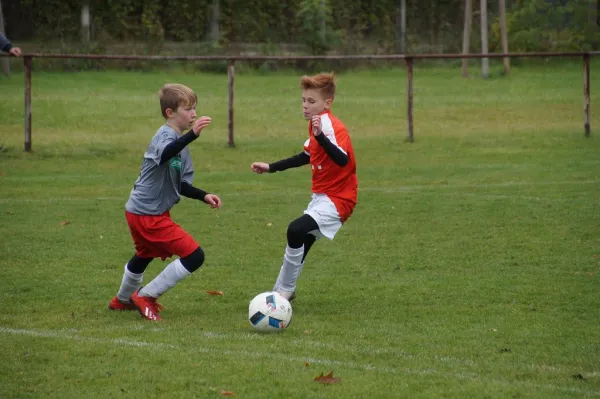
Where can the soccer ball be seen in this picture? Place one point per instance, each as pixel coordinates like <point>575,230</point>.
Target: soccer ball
<point>270,311</point>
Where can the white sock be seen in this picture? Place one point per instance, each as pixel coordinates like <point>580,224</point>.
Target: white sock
<point>131,283</point>
<point>290,269</point>
<point>166,280</point>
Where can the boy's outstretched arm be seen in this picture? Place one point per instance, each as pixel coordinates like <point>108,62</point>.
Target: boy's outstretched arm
<point>189,191</point>
<point>295,161</point>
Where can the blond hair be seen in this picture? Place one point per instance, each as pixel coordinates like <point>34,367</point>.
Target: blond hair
<point>324,82</point>
<point>173,95</point>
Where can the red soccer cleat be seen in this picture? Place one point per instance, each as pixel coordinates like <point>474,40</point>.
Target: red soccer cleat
<point>115,304</point>
<point>147,306</point>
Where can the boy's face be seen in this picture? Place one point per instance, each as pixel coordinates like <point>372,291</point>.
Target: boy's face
<point>182,118</point>
<point>313,103</point>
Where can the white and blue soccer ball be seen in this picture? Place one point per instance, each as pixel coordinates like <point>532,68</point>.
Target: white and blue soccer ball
<point>270,311</point>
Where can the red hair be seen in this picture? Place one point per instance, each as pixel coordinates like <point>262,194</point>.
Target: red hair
<point>324,82</point>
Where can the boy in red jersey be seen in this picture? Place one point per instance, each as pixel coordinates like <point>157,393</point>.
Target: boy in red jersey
<point>334,184</point>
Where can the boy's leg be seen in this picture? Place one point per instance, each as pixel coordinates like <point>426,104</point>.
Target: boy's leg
<point>131,282</point>
<point>145,299</point>
<point>160,237</point>
<point>309,240</point>
<point>175,271</point>
<point>298,234</point>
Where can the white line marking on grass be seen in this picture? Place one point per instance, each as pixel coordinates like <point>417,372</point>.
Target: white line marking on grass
<point>155,345</point>
<point>254,355</point>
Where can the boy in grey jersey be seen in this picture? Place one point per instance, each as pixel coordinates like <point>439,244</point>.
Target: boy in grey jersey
<point>167,174</point>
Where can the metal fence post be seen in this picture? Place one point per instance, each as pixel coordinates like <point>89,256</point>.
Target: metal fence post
<point>409,101</point>
<point>27,64</point>
<point>231,76</point>
<point>586,95</point>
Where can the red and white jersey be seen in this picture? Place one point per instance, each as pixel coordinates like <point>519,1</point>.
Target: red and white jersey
<point>339,183</point>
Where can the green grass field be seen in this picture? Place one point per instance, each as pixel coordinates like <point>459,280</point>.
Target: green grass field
<point>470,268</point>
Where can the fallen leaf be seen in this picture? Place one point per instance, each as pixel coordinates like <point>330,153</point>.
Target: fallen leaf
<point>327,379</point>
<point>597,256</point>
<point>307,332</point>
<point>65,222</point>
<point>227,393</point>
<point>211,292</point>
<point>306,364</point>
<point>269,224</point>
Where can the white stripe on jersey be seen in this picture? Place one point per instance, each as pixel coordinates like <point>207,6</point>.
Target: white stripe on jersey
<point>327,128</point>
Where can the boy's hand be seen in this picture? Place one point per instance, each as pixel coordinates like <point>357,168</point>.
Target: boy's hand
<point>260,167</point>
<point>200,124</point>
<point>213,201</point>
<point>16,51</point>
<point>316,125</point>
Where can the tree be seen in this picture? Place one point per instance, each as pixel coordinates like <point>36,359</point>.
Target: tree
<point>467,36</point>
<point>85,22</point>
<point>401,27</point>
<point>215,31</point>
<point>504,35</point>
<point>485,65</point>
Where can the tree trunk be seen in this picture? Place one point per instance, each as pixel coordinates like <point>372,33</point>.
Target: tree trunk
<point>467,36</point>
<point>484,39</point>
<point>323,23</point>
<point>215,34</point>
<point>504,36</point>
<point>401,27</point>
<point>85,22</point>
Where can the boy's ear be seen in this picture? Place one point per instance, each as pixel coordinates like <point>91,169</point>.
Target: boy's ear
<point>328,103</point>
<point>169,112</point>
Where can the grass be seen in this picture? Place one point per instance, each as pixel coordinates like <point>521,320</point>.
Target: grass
<point>469,269</point>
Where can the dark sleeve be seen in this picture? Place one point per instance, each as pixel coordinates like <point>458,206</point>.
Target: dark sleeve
<point>175,147</point>
<point>335,153</point>
<point>5,44</point>
<point>187,190</point>
<point>291,162</point>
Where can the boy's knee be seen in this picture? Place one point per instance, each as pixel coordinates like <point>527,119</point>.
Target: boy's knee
<point>193,261</point>
<point>295,230</point>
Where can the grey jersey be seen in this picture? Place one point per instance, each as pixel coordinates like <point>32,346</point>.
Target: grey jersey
<point>157,187</point>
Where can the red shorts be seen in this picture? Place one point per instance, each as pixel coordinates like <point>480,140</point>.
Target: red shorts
<point>158,236</point>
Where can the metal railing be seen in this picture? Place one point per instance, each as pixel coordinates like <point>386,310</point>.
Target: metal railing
<point>408,59</point>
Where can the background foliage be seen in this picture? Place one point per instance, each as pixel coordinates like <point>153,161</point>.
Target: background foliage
<point>301,26</point>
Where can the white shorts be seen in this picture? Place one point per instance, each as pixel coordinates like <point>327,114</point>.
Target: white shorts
<point>322,209</point>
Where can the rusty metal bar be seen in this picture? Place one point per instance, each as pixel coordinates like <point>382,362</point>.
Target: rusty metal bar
<point>231,76</point>
<point>409,100</point>
<point>27,64</point>
<point>586,95</point>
